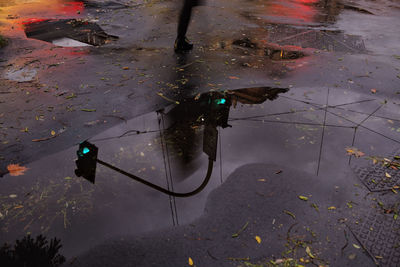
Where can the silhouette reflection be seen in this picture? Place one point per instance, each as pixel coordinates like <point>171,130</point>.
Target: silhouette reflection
<point>194,115</point>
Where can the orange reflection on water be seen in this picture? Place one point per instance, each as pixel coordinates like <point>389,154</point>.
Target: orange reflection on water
<point>19,12</point>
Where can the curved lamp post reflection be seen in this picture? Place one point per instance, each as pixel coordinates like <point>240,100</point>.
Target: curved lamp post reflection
<point>209,111</point>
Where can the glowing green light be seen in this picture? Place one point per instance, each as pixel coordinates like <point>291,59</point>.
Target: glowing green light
<point>221,101</point>
<point>86,150</point>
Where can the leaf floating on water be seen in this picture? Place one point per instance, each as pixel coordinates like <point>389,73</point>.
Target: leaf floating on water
<point>240,231</point>
<point>190,261</point>
<point>332,208</point>
<point>315,206</point>
<point>168,99</point>
<point>303,198</point>
<point>16,169</point>
<point>308,251</point>
<point>290,214</point>
<point>258,239</point>
<point>13,196</point>
<point>356,246</point>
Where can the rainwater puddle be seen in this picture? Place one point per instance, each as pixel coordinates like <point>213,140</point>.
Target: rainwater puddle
<point>172,147</point>
<point>21,75</point>
<point>58,30</point>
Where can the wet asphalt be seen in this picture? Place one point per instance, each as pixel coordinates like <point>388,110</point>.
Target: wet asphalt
<point>337,62</point>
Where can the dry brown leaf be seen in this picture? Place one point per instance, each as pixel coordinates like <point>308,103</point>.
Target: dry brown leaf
<point>16,169</point>
<point>354,151</point>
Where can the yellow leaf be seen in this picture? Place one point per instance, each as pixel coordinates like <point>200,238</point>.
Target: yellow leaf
<point>308,251</point>
<point>332,208</point>
<point>258,239</point>
<point>303,198</point>
<point>261,180</point>
<point>16,170</point>
<point>53,132</point>
<point>356,246</point>
<point>190,261</point>
<point>387,175</point>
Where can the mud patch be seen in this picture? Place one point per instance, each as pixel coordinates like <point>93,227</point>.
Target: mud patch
<point>79,30</point>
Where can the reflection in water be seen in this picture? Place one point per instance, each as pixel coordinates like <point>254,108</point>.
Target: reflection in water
<point>209,111</point>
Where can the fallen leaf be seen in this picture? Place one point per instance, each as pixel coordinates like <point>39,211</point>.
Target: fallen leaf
<point>289,213</point>
<point>308,251</point>
<point>261,180</point>
<point>373,91</point>
<point>379,257</point>
<point>16,169</point>
<point>190,261</point>
<point>332,208</point>
<point>303,198</point>
<point>356,246</point>
<point>352,256</point>
<point>258,239</point>
<point>241,230</point>
<point>18,207</point>
<point>234,78</point>
<point>315,206</point>
<point>354,151</point>
<point>125,68</point>
<point>13,196</point>
<point>387,175</point>
<point>53,132</point>
<point>88,109</point>
<point>278,172</point>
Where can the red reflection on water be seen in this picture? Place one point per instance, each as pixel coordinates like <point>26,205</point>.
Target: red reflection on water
<point>32,20</point>
<point>293,9</point>
<point>72,8</point>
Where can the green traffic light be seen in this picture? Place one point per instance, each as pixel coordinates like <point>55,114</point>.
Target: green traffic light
<point>85,150</point>
<point>221,101</point>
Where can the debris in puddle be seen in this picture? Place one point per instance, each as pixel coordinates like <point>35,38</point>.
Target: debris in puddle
<point>276,52</point>
<point>68,42</point>
<point>20,75</point>
<point>245,42</point>
<point>16,170</point>
<point>68,32</point>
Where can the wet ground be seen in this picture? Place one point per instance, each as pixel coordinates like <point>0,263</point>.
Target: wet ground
<point>303,82</point>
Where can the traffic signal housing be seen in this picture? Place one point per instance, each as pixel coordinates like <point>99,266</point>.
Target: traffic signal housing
<point>87,161</point>
<point>219,106</point>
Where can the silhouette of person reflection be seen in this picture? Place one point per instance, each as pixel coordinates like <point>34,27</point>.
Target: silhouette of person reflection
<point>182,43</point>
<point>197,118</point>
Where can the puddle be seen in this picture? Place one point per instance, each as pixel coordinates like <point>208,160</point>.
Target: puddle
<point>171,148</point>
<point>78,30</point>
<point>67,42</point>
<point>21,75</point>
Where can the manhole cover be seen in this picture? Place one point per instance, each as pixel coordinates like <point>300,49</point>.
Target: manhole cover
<point>375,176</point>
<point>323,40</point>
<point>79,30</point>
<point>380,236</point>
